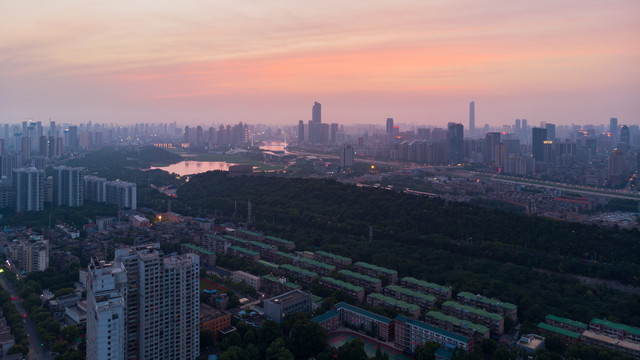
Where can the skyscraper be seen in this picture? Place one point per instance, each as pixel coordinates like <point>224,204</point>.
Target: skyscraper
<point>346,157</point>
<point>151,302</point>
<point>28,184</point>
<point>316,113</point>
<point>613,129</point>
<point>491,141</point>
<point>472,119</point>
<point>538,137</point>
<point>300,132</point>
<point>68,186</point>
<point>455,140</point>
<point>551,131</point>
<point>73,138</point>
<point>389,125</point>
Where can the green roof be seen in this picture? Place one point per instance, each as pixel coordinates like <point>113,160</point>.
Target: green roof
<point>561,331</point>
<point>567,321</point>
<point>268,264</point>
<point>298,270</point>
<point>333,256</point>
<point>287,255</point>
<point>625,328</point>
<point>249,232</point>
<point>198,249</point>
<point>425,284</point>
<point>213,236</point>
<point>459,322</point>
<point>471,309</point>
<point>275,279</point>
<point>376,268</point>
<point>443,332</point>
<point>395,302</point>
<point>261,245</point>
<point>328,315</point>
<point>243,250</point>
<point>342,284</point>
<point>356,275</point>
<point>486,300</point>
<point>409,292</point>
<point>276,239</point>
<point>369,314</point>
<point>317,263</point>
<point>233,238</point>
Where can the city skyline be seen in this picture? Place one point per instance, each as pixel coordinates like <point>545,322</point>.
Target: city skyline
<point>418,62</point>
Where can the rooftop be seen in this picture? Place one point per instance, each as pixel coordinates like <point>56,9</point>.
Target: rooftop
<point>437,330</point>
<point>276,239</point>
<point>342,284</point>
<point>612,341</point>
<point>471,309</point>
<point>567,321</point>
<point>291,297</point>
<point>251,233</point>
<point>395,302</point>
<point>486,300</point>
<point>409,292</point>
<point>333,256</point>
<point>287,255</point>
<point>198,249</point>
<point>530,341</point>
<point>557,330</point>
<point>458,322</point>
<point>298,270</point>
<point>425,284</point>
<point>268,264</point>
<point>316,263</point>
<point>356,275</point>
<point>286,283</point>
<point>236,239</point>
<point>322,317</point>
<point>369,314</point>
<point>625,328</point>
<point>243,250</point>
<point>376,268</point>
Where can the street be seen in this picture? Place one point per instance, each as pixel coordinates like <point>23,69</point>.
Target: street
<point>36,352</point>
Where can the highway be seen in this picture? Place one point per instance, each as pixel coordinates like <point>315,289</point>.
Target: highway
<point>36,352</point>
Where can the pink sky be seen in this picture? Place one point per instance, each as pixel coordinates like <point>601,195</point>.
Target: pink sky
<point>419,61</point>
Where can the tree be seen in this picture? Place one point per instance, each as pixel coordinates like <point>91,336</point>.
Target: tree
<point>70,333</point>
<point>488,347</point>
<point>426,351</point>
<point>353,350</point>
<point>307,339</point>
<point>207,338</point>
<point>277,351</point>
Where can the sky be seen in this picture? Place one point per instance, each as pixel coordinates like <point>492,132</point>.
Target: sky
<point>418,61</point>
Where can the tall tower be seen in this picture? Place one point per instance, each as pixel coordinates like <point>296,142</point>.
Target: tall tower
<point>316,113</point>
<point>455,140</point>
<point>28,184</point>
<point>551,131</point>
<point>68,187</point>
<point>472,118</point>
<point>613,129</point>
<point>538,137</point>
<point>300,132</point>
<point>158,298</point>
<point>390,126</point>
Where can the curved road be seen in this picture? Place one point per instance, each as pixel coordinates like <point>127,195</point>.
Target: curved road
<point>36,352</point>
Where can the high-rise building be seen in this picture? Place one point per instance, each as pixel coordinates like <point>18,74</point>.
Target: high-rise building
<point>28,184</point>
<point>68,186</point>
<point>472,119</point>
<point>455,140</point>
<point>625,137</point>
<point>95,188</point>
<point>73,138</point>
<point>316,113</point>
<point>346,157</point>
<point>538,137</point>
<point>389,126</point>
<point>29,254</point>
<point>333,133</point>
<point>617,168</point>
<point>121,193</point>
<point>156,306</point>
<point>551,131</point>
<point>300,132</point>
<point>491,141</point>
<point>613,129</point>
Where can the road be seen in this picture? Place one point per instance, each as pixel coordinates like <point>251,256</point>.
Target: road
<point>36,352</point>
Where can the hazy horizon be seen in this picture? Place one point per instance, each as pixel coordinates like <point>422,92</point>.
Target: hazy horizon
<point>420,62</point>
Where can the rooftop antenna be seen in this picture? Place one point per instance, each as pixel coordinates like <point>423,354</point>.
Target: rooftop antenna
<point>235,207</point>
<point>370,234</point>
<point>249,213</point>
